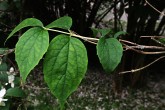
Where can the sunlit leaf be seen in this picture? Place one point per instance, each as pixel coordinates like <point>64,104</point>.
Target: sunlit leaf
<point>65,65</point>
<point>25,23</point>
<point>30,49</point>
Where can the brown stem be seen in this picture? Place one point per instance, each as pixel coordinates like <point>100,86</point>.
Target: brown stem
<point>139,69</point>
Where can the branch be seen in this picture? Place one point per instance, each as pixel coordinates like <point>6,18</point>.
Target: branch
<point>155,8</point>
<point>142,68</point>
<point>158,42</point>
<point>143,52</point>
<point>71,33</point>
<point>5,25</point>
<point>153,36</point>
<point>146,47</point>
<point>95,40</point>
<point>129,42</point>
<point>6,52</point>
<point>141,46</point>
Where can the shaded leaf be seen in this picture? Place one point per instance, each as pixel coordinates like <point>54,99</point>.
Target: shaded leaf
<point>102,32</point>
<point>119,33</point>
<point>95,32</point>
<point>110,53</point>
<point>4,5</point>
<point>15,92</point>
<point>65,65</point>
<point>25,23</point>
<point>63,23</point>
<point>17,81</point>
<point>3,77</point>
<point>162,40</point>
<point>30,49</point>
<point>6,107</point>
<point>3,67</point>
<point>3,50</point>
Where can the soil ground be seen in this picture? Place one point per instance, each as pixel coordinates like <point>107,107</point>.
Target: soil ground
<point>95,93</point>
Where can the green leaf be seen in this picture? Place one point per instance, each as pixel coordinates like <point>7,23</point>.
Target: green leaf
<point>103,32</point>
<point>4,5</point>
<point>6,107</point>
<point>65,65</point>
<point>110,53</point>
<point>63,23</point>
<point>95,31</point>
<point>3,77</point>
<point>15,92</point>
<point>119,33</point>
<point>3,67</point>
<point>30,48</point>
<point>3,51</point>
<point>162,40</point>
<point>17,81</point>
<point>25,23</point>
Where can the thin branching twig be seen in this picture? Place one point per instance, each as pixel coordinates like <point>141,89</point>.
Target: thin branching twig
<point>142,68</point>
<point>158,42</point>
<point>138,46</point>
<point>154,8</point>
<point>143,52</point>
<point>152,36</point>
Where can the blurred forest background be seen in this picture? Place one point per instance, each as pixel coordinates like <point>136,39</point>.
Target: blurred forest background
<point>135,17</point>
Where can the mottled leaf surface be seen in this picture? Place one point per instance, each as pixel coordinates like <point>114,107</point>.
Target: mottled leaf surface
<point>30,48</point>
<point>65,65</point>
<point>25,23</point>
<point>109,51</point>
